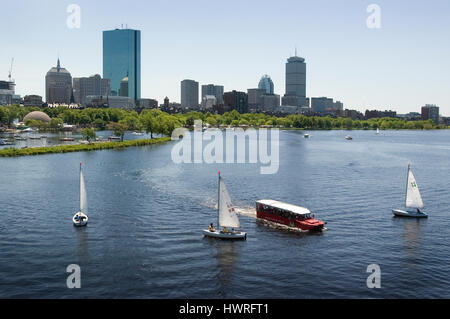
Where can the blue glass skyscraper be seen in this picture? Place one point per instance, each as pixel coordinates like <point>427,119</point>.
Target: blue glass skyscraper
<point>122,59</point>
<point>266,84</point>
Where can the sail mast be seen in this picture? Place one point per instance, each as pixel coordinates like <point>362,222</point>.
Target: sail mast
<point>218,204</point>
<point>80,186</point>
<point>407,183</point>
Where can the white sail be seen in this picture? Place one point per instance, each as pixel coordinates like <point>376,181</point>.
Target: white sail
<point>83,197</point>
<point>227,214</point>
<point>413,198</point>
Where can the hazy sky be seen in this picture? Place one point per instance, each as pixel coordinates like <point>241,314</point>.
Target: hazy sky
<point>401,66</point>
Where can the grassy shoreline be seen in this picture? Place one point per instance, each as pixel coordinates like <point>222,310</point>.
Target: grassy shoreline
<point>14,152</point>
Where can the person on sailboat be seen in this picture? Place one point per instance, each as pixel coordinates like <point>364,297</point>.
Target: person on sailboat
<point>211,228</point>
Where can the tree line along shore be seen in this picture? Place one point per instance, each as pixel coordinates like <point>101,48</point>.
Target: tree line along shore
<point>155,121</point>
<point>16,152</point>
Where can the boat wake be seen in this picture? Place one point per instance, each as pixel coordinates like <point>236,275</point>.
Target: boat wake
<point>242,210</point>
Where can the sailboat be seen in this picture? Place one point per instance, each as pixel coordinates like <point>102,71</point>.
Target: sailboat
<point>414,202</point>
<point>378,131</point>
<point>228,221</point>
<point>80,218</point>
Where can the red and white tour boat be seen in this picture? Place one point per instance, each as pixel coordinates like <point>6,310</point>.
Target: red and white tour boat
<point>288,215</point>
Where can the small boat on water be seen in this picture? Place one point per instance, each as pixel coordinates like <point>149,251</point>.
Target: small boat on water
<point>348,137</point>
<point>306,136</point>
<point>378,131</point>
<point>81,219</point>
<point>228,221</point>
<point>138,133</point>
<point>34,137</point>
<point>114,138</point>
<point>67,139</point>
<point>288,215</point>
<point>413,202</point>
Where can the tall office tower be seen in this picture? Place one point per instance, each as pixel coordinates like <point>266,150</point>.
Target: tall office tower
<point>58,85</point>
<point>211,89</point>
<point>255,98</point>
<point>93,85</point>
<point>124,87</point>
<point>189,94</point>
<point>122,59</point>
<point>295,82</point>
<point>236,100</point>
<point>266,84</point>
<point>430,111</point>
<point>6,92</point>
<point>322,104</point>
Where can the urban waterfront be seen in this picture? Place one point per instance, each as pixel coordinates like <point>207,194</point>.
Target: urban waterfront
<point>146,215</point>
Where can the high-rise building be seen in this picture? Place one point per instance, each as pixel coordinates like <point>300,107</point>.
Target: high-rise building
<point>208,101</point>
<point>122,59</point>
<point>295,82</point>
<point>189,94</point>
<point>32,100</point>
<point>266,84</point>
<point>7,89</point>
<point>270,102</point>
<point>58,85</point>
<point>124,87</point>
<point>236,101</point>
<point>430,111</point>
<point>254,98</point>
<point>93,85</point>
<point>322,104</point>
<point>216,90</point>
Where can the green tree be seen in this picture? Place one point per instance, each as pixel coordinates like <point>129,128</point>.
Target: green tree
<point>118,128</point>
<point>56,123</point>
<point>88,134</point>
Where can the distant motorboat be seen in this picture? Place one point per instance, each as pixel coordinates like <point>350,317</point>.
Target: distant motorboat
<point>34,137</point>
<point>138,133</point>
<point>228,221</point>
<point>306,136</point>
<point>67,139</point>
<point>81,219</point>
<point>116,138</point>
<point>413,202</point>
<point>348,137</point>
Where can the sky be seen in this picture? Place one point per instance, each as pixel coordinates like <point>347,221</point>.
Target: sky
<point>401,66</point>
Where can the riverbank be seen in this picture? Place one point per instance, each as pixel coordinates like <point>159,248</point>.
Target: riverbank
<point>14,152</point>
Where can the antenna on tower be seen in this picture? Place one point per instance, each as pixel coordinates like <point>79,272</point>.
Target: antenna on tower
<point>10,69</point>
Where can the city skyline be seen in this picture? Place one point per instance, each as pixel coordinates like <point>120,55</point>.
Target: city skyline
<point>401,66</point>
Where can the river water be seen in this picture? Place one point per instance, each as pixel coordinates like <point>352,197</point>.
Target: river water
<point>146,215</point>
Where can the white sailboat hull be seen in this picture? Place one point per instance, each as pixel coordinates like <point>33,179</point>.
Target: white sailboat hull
<point>80,222</point>
<point>237,235</point>
<point>413,214</point>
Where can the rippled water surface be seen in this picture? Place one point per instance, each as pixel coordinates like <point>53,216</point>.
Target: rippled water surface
<point>146,214</point>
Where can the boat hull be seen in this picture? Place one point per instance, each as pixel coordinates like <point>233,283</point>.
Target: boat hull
<point>306,225</point>
<point>226,236</point>
<point>411,214</point>
<point>80,223</point>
